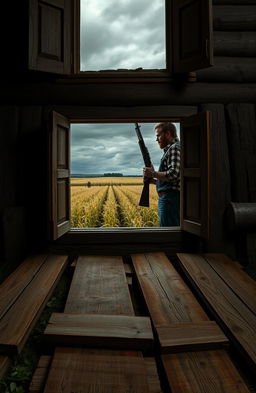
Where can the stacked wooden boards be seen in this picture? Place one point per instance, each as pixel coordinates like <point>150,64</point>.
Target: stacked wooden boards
<point>173,308</point>
<point>23,296</point>
<point>99,297</point>
<point>102,345</point>
<point>230,295</point>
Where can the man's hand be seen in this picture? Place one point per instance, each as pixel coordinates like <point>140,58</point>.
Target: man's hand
<point>149,173</point>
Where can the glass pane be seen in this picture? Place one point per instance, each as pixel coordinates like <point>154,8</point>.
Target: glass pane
<point>122,34</point>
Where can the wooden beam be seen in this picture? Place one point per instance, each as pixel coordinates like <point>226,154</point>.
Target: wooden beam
<point>234,18</point>
<point>157,94</point>
<point>16,325</point>
<point>229,69</point>
<point>238,280</point>
<point>13,286</point>
<point>236,319</point>
<point>90,370</point>
<point>233,2</point>
<point>5,362</point>
<point>95,331</point>
<point>167,297</point>
<point>99,286</point>
<point>200,372</point>
<point>235,43</point>
<point>187,336</point>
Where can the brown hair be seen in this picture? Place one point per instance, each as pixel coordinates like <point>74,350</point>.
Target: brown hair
<point>167,126</point>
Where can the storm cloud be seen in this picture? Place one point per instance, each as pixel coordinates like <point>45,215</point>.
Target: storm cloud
<point>122,34</point>
<point>101,148</point>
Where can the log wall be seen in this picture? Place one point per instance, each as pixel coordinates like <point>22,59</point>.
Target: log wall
<point>228,89</point>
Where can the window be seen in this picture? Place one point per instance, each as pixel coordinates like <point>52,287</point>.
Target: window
<point>106,175</point>
<point>195,175</point>
<point>54,39</point>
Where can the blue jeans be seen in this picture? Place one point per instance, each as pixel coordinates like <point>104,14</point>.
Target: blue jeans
<point>169,208</point>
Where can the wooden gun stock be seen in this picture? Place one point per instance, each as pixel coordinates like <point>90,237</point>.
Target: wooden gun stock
<point>144,198</point>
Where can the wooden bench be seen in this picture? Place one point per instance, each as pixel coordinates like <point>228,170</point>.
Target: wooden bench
<point>23,296</point>
<point>176,314</point>
<point>230,295</point>
<point>99,295</point>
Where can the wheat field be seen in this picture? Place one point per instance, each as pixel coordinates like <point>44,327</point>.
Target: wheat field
<point>111,202</point>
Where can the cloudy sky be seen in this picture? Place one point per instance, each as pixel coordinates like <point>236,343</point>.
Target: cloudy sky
<point>122,34</point>
<point>101,148</point>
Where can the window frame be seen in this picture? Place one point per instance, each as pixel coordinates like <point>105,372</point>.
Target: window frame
<point>150,237</point>
<point>165,73</point>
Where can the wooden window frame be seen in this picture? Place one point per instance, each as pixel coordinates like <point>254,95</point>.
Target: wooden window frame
<point>61,53</point>
<point>124,235</point>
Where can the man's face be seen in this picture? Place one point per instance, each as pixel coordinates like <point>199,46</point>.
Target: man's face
<point>162,138</point>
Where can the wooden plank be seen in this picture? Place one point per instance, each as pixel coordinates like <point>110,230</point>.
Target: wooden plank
<point>220,175</point>
<point>200,372</point>
<point>95,331</point>
<point>18,280</point>
<point>238,18</point>
<point>5,361</point>
<point>241,119</point>
<point>229,69</point>
<point>238,322</point>
<point>152,376</point>
<point>148,93</point>
<point>235,43</point>
<point>233,2</point>
<point>237,279</point>
<point>99,287</point>
<point>104,371</point>
<point>17,325</point>
<point>187,336</point>
<point>40,375</point>
<point>167,297</point>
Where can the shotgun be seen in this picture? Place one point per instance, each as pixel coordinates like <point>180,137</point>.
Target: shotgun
<point>144,199</point>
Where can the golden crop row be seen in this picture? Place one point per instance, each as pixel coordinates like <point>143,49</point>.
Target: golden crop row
<point>111,206</point>
<point>86,210</point>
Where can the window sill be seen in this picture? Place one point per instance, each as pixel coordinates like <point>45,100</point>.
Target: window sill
<point>129,76</point>
<point>146,235</point>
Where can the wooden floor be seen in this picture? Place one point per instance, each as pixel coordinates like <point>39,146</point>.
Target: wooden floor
<point>164,341</point>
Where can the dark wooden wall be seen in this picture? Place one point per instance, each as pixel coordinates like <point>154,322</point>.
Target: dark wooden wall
<point>228,89</point>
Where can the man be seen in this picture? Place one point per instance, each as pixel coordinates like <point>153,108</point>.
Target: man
<point>167,178</point>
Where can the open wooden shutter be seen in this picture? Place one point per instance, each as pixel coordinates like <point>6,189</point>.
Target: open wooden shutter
<point>192,35</point>
<point>50,27</point>
<point>59,168</point>
<point>195,174</point>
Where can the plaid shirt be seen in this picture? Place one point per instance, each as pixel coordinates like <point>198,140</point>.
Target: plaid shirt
<point>170,165</point>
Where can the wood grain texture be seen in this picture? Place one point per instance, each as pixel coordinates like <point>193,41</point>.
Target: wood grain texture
<point>40,375</point>
<point>152,375</point>
<point>229,69</point>
<point>99,286</point>
<point>238,322</point>
<point>167,297</point>
<point>237,279</point>
<point>235,43</point>
<point>13,286</point>
<point>16,325</point>
<point>186,336</point>
<point>234,18</point>
<point>101,371</point>
<point>241,119</point>
<point>201,372</point>
<point>100,331</point>
<point>5,361</point>
<point>220,179</point>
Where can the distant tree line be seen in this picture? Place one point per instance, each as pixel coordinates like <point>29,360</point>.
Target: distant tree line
<point>113,174</point>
